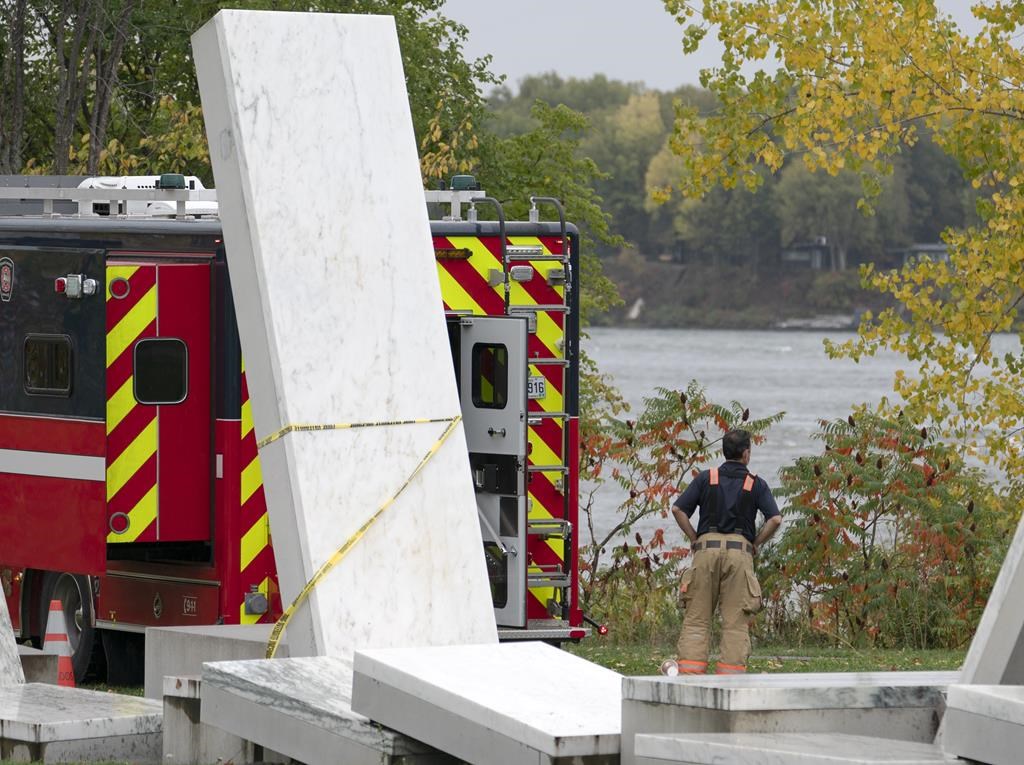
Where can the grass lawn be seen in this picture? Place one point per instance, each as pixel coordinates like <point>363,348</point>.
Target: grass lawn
<point>645,659</point>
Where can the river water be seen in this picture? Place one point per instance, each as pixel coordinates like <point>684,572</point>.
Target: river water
<point>766,371</point>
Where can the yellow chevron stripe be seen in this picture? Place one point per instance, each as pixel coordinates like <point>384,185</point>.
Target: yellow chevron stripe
<point>254,540</point>
<point>131,459</point>
<point>120,405</point>
<point>540,452</point>
<point>139,518</point>
<point>131,326</point>
<point>482,259</point>
<point>252,479</point>
<point>454,295</point>
<point>118,272</point>
<point>247,425</point>
<point>243,617</point>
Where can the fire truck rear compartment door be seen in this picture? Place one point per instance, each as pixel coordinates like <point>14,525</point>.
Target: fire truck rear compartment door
<point>158,402</point>
<point>493,370</point>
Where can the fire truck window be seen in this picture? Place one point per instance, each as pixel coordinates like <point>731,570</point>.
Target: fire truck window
<point>490,376</point>
<point>161,371</point>
<point>48,365</point>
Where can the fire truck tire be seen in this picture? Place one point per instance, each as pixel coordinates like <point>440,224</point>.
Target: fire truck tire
<point>75,595</point>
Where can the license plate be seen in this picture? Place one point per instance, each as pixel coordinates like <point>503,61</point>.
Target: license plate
<point>537,387</point>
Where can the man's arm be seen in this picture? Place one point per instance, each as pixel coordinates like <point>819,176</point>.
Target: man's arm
<point>767,531</point>
<point>684,523</point>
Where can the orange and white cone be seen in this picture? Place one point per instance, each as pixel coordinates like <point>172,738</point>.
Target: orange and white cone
<point>56,639</point>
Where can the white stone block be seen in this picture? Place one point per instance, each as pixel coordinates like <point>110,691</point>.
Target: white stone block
<point>893,705</point>
<point>985,723</point>
<point>340,317</point>
<point>782,749</point>
<point>495,705</point>
<point>10,662</point>
<point>996,655</point>
<point>302,708</point>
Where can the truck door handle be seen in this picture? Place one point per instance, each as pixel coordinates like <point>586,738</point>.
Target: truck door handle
<point>499,432</point>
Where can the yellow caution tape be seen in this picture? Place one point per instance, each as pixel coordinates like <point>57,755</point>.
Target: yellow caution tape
<point>342,426</point>
<point>330,563</point>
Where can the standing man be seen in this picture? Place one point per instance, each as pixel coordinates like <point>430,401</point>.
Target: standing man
<point>724,545</point>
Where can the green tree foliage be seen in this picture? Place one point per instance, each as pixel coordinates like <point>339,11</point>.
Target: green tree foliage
<point>890,539</point>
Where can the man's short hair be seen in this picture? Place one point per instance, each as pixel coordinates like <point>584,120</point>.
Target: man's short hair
<point>734,443</point>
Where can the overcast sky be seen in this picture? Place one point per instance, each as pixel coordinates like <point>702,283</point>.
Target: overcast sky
<point>631,40</point>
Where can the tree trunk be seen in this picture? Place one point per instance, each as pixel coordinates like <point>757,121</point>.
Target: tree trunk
<point>106,83</point>
<point>13,30</point>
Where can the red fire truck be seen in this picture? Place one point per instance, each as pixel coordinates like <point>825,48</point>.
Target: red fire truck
<point>130,485</point>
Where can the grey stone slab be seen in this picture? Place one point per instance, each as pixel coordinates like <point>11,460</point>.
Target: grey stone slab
<point>302,708</point>
<point>782,749</point>
<point>985,723</point>
<point>316,104</point>
<point>502,704</point>
<point>10,665</point>
<point>56,724</point>
<point>180,651</point>
<point>39,666</point>
<point>996,655</point>
<point>897,705</point>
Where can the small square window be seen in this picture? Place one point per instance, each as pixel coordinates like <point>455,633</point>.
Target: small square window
<point>490,376</point>
<point>48,365</point>
<point>161,371</point>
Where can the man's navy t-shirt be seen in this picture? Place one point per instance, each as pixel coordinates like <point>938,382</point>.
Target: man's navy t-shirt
<point>730,482</point>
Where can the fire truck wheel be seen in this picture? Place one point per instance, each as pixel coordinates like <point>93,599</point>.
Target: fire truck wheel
<point>72,590</point>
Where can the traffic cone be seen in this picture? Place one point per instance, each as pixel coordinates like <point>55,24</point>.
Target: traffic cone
<point>57,639</point>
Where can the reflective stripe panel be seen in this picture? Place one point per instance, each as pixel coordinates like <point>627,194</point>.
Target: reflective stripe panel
<point>255,557</point>
<point>713,476</point>
<point>730,669</point>
<point>132,428</point>
<point>51,465</point>
<point>748,483</point>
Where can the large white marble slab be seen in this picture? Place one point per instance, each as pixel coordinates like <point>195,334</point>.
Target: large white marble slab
<point>985,723</point>
<point>302,708</point>
<point>500,705</point>
<point>10,663</point>
<point>996,655</point>
<point>894,705</point>
<point>340,317</point>
<point>53,723</point>
<point>782,749</point>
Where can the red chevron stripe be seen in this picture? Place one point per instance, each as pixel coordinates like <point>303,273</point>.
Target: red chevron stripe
<point>541,554</point>
<point>135,489</point>
<point>253,509</point>
<point>550,372</point>
<point>140,283</point>
<point>546,495</point>
<point>127,430</point>
<point>476,286</point>
<point>550,432</point>
<point>552,243</point>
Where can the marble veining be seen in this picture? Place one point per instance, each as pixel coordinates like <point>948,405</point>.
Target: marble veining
<point>839,690</point>
<point>315,690</point>
<point>996,654</point>
<point>340,318</point>
<point>784,749</point>
<point>1000,702</point>
<point>10,662</point>
<point>41,713</point>
<point>507,689</point>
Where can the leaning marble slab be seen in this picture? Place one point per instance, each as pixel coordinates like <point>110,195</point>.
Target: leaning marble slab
<point>896,705</point>
<point>340,318</point>
<point>985,723</point>
<point>53,723</point>
<point>996,655</point>
<point>10,662</point>
<point>495,705</point>
<point>302,708</point>
<point>782,749</point>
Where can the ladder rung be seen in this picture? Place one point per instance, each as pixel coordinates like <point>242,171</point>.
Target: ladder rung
<point>548,469</point>
<point>549,527</point>
<point>549,362</point>
<point>519,256</point>
<point>554,578</point>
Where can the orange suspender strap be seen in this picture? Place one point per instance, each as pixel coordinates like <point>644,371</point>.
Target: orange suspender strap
<point>713,476</point>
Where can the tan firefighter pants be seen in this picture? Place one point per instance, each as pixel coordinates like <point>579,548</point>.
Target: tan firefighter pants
<point>721,578</point>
